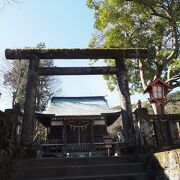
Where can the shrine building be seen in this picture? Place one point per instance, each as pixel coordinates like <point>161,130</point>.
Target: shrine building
<point>77,123</point>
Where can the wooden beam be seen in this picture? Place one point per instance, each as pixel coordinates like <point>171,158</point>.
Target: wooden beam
<point>112,53</point>
<point>77,70</point>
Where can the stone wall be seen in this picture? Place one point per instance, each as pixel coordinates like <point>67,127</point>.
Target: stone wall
<point>164,165</point>
<point>144,130</point>
<point>9,142</point>
<point>170,162</point>
<point>156,132</point>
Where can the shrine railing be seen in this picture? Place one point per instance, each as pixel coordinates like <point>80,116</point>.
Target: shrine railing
<point>83,147</point>
<point>156,132</point>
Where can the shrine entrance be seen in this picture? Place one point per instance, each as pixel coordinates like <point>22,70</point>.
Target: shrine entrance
<point>78,135</point>
<point>76,132</point>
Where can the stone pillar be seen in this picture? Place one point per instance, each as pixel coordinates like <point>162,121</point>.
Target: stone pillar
<point>30,102</point>
<point>125,102</point>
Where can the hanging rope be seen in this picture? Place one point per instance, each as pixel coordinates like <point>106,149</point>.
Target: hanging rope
<point>78,126</point>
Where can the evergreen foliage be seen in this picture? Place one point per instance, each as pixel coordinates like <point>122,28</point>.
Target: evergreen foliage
<point>16,78</point>
<point>173,103</point>
<point>140,24</point>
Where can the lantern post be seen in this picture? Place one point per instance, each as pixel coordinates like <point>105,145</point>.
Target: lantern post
<point>157,90</point>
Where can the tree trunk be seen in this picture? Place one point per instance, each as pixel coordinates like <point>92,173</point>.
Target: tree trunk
<point>141,74</point>
<point>125,102</point>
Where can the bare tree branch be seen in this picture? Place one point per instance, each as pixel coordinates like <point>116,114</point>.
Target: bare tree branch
<point>154,11</point>
<point>171,21</point>
<point>141,71</point>
<point>174,78</point>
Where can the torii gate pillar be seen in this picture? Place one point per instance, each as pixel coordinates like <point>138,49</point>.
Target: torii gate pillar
<point>125,102</point>
<point>30,102</point>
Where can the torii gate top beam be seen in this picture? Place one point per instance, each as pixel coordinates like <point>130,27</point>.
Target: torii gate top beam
<point>110,53</point>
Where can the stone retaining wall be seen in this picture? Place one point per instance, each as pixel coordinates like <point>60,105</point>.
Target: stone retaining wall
<point>170,162</point>
<point>156,132</point>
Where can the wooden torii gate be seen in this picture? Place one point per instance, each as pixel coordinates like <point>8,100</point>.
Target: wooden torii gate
<point>34,56</point>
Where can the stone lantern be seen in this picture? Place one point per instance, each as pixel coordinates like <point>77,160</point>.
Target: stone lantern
<point>157,90</point>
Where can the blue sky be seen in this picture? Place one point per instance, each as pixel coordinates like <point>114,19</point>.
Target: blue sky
<point>59,24</point>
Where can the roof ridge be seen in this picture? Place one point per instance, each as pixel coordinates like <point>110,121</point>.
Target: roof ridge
<point>77,97</point>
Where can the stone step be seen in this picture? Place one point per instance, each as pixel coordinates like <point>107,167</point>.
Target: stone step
<point>74,161</point>
<point>132,176</point>
<point>77,170</point>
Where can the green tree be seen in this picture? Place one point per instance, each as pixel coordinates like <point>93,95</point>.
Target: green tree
<point>173,103</point>
<point>15,81</point>
<point>47,84</point>
<point>16,78</point>
<point>148,24</point>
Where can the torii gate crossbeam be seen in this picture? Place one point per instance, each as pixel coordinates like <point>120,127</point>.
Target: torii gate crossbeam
<point>110,53</point>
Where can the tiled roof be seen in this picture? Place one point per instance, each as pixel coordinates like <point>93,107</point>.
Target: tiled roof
<point>74,106</point>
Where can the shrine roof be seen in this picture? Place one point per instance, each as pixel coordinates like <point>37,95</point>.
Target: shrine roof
<point>77,106</point>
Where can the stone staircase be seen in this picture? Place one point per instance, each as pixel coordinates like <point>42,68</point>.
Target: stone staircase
<point>94,168</point>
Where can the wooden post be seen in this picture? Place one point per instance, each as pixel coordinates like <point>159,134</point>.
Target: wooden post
<point>158,107</point>
<point>30,102</point>
<point>79,136</point>
<point>92,133</point>
<point>65,138</point>
<point>125,102</point>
